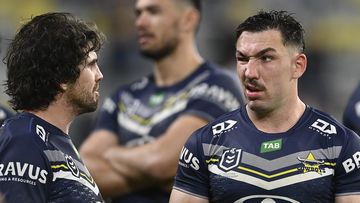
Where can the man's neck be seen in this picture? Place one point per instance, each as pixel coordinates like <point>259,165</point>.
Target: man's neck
<point>279,120</point>
<point>58,115</point>
<point>177,66</point>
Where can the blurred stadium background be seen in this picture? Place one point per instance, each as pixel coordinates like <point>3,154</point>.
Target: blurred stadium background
<point>332,40</point>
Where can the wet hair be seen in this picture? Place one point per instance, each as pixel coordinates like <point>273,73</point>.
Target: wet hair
<point>45,53</point>
<point>291,30</point>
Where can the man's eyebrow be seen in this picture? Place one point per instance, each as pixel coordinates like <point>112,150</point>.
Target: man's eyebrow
<point>92,61</point>
<point>257,55</point>
<point>139,10</point>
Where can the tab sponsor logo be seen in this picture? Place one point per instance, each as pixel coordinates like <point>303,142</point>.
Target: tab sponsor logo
<point>22,172</point>
<point>270,146</point>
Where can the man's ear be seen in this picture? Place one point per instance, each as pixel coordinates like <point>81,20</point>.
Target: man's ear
<point>64,87</point>
<point>191,19</point>
<point>300,65</point>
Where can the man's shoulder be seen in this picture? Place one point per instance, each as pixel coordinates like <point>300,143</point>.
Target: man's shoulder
<point>221,77</point>
<point>326,123</point>
<point>221,124</point>
<point>217,71</point>
<point>22,131</point>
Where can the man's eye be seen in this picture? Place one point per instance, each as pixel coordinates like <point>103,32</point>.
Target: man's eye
<point>267,58</point>
<point>242,59</point>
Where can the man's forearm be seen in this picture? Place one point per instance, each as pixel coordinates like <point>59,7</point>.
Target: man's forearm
<point>139,163</point>
<point>110,183</point>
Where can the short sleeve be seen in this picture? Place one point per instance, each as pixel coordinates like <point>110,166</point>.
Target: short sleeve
<point>192,174</point>
<point>347,174</point>
<point>24,170</point>
<point>215,97</point>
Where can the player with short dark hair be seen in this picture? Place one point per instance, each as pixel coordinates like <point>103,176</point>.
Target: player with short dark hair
<point>275,148</point>
<point>52,77</point>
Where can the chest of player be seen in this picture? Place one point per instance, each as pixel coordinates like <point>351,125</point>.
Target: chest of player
<point>247,186</point>
<point>143,117</point>
<point>277,170</point>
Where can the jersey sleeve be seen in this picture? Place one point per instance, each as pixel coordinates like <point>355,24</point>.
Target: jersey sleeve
<point>24,171</point>
<point>192,173</point>
<point>215,97</point>
<point>107,117</point>
<point>347,174</point>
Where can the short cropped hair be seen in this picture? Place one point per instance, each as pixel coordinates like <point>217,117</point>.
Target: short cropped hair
<point>45,53</point>
<point>291,30</point>
<point>196,4</point>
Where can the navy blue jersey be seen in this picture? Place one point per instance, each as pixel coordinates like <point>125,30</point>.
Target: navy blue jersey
<point>4,114</point>
<point>39,163</point>
<point>230,160</point>
<point>351,116</point>
<point>140,112</point>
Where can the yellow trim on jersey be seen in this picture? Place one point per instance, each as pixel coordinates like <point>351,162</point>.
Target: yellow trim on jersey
<point>212,160</point>
<point>268,176</point>
<point>89,179</point>
<point>329,164</point>
<point>59,166</point>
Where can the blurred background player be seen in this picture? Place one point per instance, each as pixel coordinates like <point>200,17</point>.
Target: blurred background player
<point>351,116</point>
<point>52,77</point>
<point>133,152</point>
<point>4,114</point>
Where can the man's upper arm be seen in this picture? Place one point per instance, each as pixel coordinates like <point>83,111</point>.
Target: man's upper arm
<point>98,142</point>
<point>348,199</point>
<point>172,141</point>
<point>111,184</point>
<point>178,196</point>
<point>159,159</point>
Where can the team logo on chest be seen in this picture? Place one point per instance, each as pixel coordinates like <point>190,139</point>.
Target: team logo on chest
<point>311,164</point>
<point>72,166</point>
<point>230,159</point>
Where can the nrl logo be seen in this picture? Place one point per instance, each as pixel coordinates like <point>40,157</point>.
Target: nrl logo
<point>230,159</point>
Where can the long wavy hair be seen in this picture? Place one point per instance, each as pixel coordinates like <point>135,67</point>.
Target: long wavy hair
<point>45,53</point>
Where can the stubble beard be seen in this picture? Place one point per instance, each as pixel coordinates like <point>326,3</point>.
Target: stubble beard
<point>162,52</point>
<point>82,101</point>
